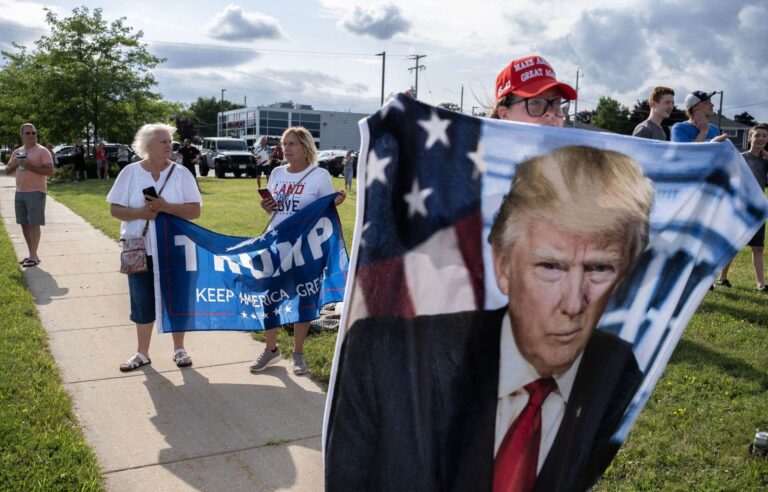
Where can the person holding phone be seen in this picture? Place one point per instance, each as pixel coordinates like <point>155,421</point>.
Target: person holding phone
<point>32,164</point>
<point>290,188</point>
<point>142,190</point>
<point>698,107</point>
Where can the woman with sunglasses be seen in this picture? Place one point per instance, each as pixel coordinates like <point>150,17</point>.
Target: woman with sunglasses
<point>527,91</point>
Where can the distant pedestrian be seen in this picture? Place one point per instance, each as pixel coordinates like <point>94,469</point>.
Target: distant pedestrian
<point>32,163</point>
<point>78,159</point>
<point>123,156</point>
<point>661,102</point>
<point>262,152</point>
<point>757,160</point>
<point>698,107</point>
<point>136,211</point>
<point>349,169</point>
<point>189,155</point>
<point>102,166</point>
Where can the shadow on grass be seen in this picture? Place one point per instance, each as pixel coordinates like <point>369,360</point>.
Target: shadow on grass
<point>697,354</point>
<point>752,311</point>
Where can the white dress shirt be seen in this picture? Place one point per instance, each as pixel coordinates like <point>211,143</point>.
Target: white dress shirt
<point>514,373</point>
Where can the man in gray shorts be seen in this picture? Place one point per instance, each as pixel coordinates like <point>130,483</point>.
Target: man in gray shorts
<point>662,102</point>
<point>32,163</point>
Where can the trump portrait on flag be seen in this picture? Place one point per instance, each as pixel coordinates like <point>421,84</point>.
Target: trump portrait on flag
<point>515,293</point>
<point>512,389</point>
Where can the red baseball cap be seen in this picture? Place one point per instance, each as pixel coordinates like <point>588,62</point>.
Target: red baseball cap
<point>529,77</point>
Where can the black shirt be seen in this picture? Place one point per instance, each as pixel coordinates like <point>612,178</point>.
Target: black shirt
<point>189,154</point>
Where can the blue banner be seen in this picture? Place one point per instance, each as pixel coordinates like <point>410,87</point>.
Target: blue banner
<point>209,281</point>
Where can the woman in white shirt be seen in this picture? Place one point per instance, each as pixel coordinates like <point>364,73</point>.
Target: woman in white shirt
<point>179,196</point>
<point>294,186</point>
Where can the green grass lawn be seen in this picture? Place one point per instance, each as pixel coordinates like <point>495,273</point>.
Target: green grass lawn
<point>693,434</point>
<point>41,446</point>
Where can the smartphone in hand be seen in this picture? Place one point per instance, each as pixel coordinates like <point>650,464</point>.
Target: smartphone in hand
<point>265,193</point>
<point>149,192</point>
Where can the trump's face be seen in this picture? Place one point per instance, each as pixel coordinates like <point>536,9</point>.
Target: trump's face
<point>558,283</point>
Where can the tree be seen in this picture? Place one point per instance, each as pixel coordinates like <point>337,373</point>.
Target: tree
<point>449,105</point>
<point>86,78</point>
<point>205,111</point>
<point>612,115</point>
<point>746,119</point>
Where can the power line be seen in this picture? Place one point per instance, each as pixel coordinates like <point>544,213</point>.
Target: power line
<point>747,105</point>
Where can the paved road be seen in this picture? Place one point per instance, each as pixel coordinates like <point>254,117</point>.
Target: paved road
<point>213,426</point>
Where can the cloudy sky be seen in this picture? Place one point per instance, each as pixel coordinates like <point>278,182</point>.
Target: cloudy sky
<point>323,52</point>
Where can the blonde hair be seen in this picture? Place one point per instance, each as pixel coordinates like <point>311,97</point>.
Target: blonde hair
<point>145,135</point>
<point>579,188</point>
<point>306,140</point>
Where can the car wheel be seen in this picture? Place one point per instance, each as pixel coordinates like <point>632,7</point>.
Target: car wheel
<point>203,168</point>
<point>220,173</point>
<point>237,173</point>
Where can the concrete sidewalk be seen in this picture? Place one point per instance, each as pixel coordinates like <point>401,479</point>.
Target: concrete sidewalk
<point>213,426</point>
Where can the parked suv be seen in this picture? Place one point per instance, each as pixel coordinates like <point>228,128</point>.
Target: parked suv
<point>224,154</point>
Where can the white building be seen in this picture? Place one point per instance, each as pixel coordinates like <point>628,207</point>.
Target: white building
<point>331,129</point>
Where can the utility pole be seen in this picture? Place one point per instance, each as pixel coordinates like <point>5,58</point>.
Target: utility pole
<point>576,102</point>
<point>383,56</point>
<point>720,113</point>
<point>245,101</point>
<point>461,106</point>
<point>417,68</point>
<point>220,119</point>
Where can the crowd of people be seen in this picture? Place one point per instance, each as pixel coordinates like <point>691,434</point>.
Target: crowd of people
<point>527,90</point>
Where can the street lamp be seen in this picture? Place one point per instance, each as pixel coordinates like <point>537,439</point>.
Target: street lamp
<point>219,124</point>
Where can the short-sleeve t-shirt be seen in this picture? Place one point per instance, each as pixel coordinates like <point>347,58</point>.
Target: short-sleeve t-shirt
<point>127,191</point>
<point>649,129</point>
<point>687,132</point>
<point>27,180</point>
<point>291,198</point>
<point>189,154</point>
<point>759,167</point>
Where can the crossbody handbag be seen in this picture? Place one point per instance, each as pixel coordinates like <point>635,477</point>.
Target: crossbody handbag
<point>285,197</point>
<point>133,258</point>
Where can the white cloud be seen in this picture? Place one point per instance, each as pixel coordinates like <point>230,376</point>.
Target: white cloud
<point>382,21</point>
<point>234,24</point>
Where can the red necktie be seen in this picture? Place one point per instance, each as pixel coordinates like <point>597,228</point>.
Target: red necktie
<point>516,460</point>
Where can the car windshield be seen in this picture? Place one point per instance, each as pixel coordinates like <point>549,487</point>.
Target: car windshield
<point>232,145</point>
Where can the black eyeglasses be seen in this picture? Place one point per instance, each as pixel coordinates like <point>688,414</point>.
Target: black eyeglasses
<point>537,106</point>
<point>30,133</point>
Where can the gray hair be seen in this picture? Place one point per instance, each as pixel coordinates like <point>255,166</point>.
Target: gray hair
<point>21,130</point>
<point>145,135</point>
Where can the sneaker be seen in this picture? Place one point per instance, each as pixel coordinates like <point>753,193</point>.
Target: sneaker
<point>266,359</point>
<point>299,364</point>
<point>762,289</point>
<point>724,283</point>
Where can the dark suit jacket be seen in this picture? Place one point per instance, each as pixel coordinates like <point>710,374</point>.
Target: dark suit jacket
<point>414,407</point>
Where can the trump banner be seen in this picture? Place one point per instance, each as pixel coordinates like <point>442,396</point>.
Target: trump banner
<point>515,293</point>
<point>209,281</point>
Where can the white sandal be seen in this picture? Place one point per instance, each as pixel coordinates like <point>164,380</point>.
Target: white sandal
<point>137,360</point>
<point>181,358</point>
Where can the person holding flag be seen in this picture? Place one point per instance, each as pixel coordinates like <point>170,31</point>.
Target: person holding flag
<point>292,187</point>
<point>528,91</point>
